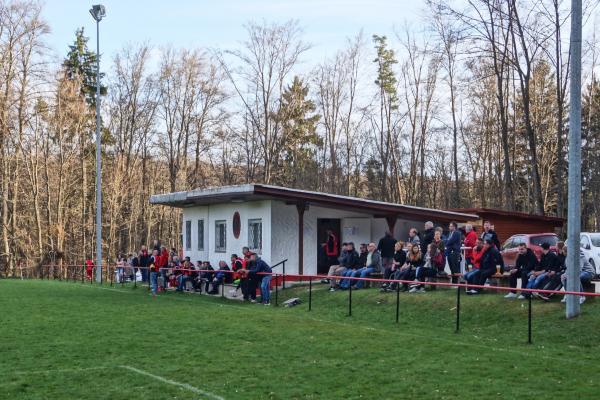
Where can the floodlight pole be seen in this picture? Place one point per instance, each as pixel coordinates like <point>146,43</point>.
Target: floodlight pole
<point>574,201</point>
<point>97,17</point>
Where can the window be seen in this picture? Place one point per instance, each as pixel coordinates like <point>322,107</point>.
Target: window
<point>220,236</point>
<point>200,235</point>
<point>508,244</point>
<point>255,235</point>
<point>188,235</point>
<point>595,239</point>
<point>517,240</point>
<point>585,242</point>
<point>539,240</point>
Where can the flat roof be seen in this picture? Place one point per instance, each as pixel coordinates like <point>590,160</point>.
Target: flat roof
<point>252,192</point>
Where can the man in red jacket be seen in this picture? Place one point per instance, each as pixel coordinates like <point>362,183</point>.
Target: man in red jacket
<point>470,241</point>
<point>331,248</point>
<point>162,262</point>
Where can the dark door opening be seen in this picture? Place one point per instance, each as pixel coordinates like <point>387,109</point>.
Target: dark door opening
<point>324,225</point>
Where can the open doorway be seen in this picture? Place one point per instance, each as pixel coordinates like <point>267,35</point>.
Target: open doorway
<point>323,225</point>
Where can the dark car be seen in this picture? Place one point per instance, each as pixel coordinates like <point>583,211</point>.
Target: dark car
<point>510,248</point>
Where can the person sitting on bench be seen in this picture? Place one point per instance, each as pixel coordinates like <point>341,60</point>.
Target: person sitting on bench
<point>207,275</point>
<point>373,265</point>
<point>398,261</point>
<point>414,260</point>
<point>472,276</point>
<point>526,262</point>
<point>348,262</point>
<point>549,265</point>
<point>433,261</point>
<point>220,277</point>
<point>404,273</point>
<point>352,268</point>
<point>585,276</point>
<point>489,260</point>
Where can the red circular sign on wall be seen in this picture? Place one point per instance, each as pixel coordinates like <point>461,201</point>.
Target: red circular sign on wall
<point>237,225</point>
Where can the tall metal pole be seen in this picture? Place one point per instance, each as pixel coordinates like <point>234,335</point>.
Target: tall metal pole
<point>98,163</point>
<point>574,205</point>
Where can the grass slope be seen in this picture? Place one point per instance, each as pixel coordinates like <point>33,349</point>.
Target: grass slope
<point>68,341</point>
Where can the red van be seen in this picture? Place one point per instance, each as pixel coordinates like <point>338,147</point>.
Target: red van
<point>510,248</point>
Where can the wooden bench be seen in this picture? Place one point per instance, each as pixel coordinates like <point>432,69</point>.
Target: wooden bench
<point>372,275</point>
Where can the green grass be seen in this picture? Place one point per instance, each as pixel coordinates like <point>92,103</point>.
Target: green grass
<point>70,341</point>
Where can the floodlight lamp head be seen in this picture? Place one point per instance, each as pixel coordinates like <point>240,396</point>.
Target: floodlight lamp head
<point>98,12</point>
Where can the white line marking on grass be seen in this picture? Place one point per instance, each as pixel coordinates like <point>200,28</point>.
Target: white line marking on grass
<point>181,385</point>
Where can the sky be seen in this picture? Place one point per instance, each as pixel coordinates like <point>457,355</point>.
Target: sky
<point>220,23</point>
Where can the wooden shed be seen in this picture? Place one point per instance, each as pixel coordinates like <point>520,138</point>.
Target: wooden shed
<point>508,223</point>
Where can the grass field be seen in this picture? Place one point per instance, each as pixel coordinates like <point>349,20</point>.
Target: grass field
<point>70,341</point>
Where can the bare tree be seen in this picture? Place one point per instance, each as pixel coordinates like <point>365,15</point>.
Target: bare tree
<point>270,53</point>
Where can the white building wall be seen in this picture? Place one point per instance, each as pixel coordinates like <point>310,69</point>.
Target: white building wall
<point>280,231</point>
<point>248,210</point>
<point>285,233</point>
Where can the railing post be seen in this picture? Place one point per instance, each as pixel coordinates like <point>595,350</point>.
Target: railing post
<point>111,275</point>
<point>350,300</point>
<point>397,302</point>
<point>283,285</point>
<point>458,308</point>
<point>82,273</point>
<point>529,320</point>
<point>276,291</point>
<point>309,294</point>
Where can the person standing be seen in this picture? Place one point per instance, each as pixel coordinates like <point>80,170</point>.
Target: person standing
<point>413,237</point>
<point>153,268</point>
<point>386,248</point>
<point>427,237</point>
<point>144,261</point>
<point>453,250</point>
<point>331,247</point>
<point>469,243</point>
<point>489,233</point>
<point>263,274</point>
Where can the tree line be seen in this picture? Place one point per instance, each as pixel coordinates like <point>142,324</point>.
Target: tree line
<point>469,110</point>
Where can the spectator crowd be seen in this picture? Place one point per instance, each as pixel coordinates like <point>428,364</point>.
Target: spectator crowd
<point>422,257</point>
<point>425,256</point>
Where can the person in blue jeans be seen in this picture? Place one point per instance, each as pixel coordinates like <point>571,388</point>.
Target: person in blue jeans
<point>153,278</point>
<point>549,265</point>
<point>373,264</point>
<point>263,273</point>
<point>585,276</point>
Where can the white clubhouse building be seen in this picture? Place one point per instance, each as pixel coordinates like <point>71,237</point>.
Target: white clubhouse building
<point>281,223</point>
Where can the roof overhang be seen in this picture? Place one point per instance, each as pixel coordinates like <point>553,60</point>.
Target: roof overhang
<point>253,192</point>
<point>494,212</point>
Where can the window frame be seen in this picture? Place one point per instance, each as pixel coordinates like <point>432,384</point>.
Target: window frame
<point>223,248</point>
<point>188,235</point>
<point>255,221</point>
<point>198,222</point>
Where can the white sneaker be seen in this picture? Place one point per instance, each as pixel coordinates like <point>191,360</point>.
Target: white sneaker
<point>581,299</point>
<point>564,299</point>
<point>413,290</point>
<point>510,295</point>
<point>521,297</point>
<point>422,290</point>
